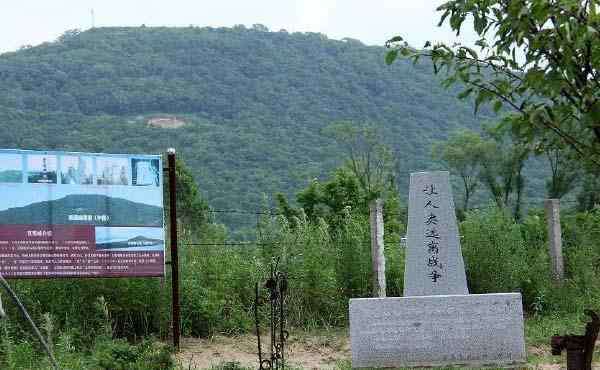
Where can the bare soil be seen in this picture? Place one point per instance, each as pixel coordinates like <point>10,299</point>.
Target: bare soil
<point>166,122</point>
<point>306,350</point>
<point>317,352</point>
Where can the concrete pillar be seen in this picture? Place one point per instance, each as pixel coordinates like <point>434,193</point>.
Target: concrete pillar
<point>2,313</point>
<point>554,238</point>
<point>377,250</point>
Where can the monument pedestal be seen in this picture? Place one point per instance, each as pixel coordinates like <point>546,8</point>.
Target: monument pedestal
<point>474,330</point>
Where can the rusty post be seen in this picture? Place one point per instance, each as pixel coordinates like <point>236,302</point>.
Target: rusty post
<point>580,348</point>
<point>173,237</point>
<point>591,334</point>
<point>257,325</point>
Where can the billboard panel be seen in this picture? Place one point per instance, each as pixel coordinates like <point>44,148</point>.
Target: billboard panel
<point>65,214</point>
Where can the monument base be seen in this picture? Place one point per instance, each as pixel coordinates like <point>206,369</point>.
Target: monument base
<point>475,330</point>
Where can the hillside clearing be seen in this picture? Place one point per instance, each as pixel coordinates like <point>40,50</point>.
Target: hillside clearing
<point>166,122</point>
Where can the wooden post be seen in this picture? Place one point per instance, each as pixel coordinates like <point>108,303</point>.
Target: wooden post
<point>377,250</point>
<point>554,238</point>
<point>173,237</point>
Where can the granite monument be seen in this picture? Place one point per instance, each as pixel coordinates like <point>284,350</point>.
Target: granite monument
<point>437,322</point>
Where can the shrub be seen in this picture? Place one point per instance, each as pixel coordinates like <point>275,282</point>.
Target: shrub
<point>494,252</point>
<point>121,355</point>
<point>502,256</point>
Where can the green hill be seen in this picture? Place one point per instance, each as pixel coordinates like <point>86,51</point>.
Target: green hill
<point>244,107</point>
<point>122,212</point>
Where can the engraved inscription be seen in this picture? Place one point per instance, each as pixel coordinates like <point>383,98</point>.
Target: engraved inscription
<point>439,330</point>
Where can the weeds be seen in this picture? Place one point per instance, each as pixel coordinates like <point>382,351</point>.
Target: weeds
<point>326,266</point>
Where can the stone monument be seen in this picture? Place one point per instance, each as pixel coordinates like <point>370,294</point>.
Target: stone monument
<point>437,322</point>
<point>434,263</point>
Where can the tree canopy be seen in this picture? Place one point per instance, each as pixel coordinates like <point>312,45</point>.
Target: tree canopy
<point>494,161</point>
<point>539,59</point>
<point>253,104</point>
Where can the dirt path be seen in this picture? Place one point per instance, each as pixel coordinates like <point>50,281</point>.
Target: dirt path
<point>308,351</point>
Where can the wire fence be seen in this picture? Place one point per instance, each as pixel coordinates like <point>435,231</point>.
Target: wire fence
<point>260,213</point>
<point>240,211</point>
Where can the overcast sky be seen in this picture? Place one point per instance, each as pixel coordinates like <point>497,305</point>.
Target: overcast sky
<point>30,22</point>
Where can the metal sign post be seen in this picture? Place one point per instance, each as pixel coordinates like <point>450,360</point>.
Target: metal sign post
<point>173,237</point>
<point>277,287</point>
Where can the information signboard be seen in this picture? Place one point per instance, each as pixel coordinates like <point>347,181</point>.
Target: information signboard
<point>65,214</point>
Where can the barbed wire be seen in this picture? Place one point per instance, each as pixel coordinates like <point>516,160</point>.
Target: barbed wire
<point>240,211</point>
<point>273,212</point>
<point>258,244</point>
<point>230,244</point>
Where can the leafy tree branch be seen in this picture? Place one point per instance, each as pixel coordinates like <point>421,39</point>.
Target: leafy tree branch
<point>541,58</point>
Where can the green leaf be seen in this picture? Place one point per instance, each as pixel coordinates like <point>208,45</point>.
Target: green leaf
<point>497,106</point>
<point>481,43</point>
<point>465,93</point>
<point>535,77</point>
<point>592,118</point>
<point>524,11</point>
<point>483,97</point>
<point>391,56</point>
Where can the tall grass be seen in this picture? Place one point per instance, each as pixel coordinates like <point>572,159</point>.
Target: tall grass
<point>504,256</point>
<point>326,264</point>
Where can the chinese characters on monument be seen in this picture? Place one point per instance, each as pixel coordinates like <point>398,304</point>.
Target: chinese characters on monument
<point>432,237</point>
<point>434,263</point>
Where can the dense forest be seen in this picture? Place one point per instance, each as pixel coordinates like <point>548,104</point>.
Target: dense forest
<point>249,104</point>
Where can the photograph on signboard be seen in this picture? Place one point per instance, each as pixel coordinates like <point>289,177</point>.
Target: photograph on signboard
<point>11,168</point>
<point>75,170</point>
<point>145,172</point>
<point>130,238</point>
<point>78,205</point>
<point>69,173</point>
<point>41,169</point>
<point>86,170</point>
<point>112,171</point>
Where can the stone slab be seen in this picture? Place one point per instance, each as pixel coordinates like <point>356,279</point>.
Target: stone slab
<point>474,330</point>
<point>434,263</point>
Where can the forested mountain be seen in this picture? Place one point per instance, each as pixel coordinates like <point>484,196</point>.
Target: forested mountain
<point>249,104</point>
<point>122,212</point>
